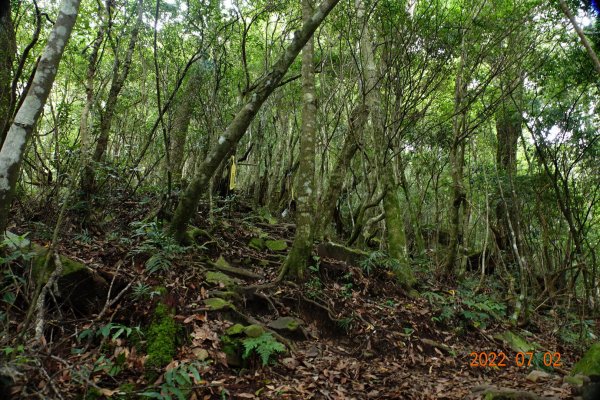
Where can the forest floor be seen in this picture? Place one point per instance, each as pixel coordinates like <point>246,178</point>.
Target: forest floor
<point>355,335</point>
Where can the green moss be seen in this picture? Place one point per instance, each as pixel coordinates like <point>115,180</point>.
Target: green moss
<point>162,336</point>
<point>216,303</point>
<point>254,330</point>
<point>235,329</point>
<point>589,363</point>
<point>219,277</point>
<point>40,275</point>
<point>515,342</point>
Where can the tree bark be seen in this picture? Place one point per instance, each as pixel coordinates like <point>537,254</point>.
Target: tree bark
<point>84,131</point>
<point>584,41</point>
<point>394,220</point>
<point>19,133</point>
<point>236,129</point>
<point>8,48</point>
<point>181,123</point>
<point>356,125</point>
<point>295,263</point>
<point>508,130</point>
<point>88,181</point>
<point>457,161</point>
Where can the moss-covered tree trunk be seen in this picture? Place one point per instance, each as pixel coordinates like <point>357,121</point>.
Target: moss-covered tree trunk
<point>457,161</point>
<point>181,122</point>
<point>19,133</point>
<point>186,208</point>
<point>356,125</point>
<point>7,54</point>
<point>394,220</point>
<point>295,264</point>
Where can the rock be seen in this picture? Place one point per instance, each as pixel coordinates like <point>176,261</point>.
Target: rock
<point>336,251</point>
<point>515,342</point>
<point>79,286</point>
<point>254,330</point>
<point>276,245</point>
<point>235,329</point>
<point>200,354</point>
<point>220,278</point>
<point>285,323</point>
<point>257,243</point>
<point>216,303</point>
<point>536,375</point>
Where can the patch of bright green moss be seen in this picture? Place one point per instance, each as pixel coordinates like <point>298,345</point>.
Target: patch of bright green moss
<point>161,336</point>
<point>589,363</point>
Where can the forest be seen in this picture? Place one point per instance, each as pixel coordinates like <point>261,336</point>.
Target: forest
<point>318,199</point>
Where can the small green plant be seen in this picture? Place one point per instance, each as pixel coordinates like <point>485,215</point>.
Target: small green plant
<point>110,330</point>
<point>314,287</point>
<point>389,303</point>
<point>381,260</point>
<point>19,247</point>
<point>162,248</point>
<point>345,323</point>
<point>83,237</point>
<point>347,290</point>
<point>264,346</point>
<point>178,382</point>
<point>141,291</point>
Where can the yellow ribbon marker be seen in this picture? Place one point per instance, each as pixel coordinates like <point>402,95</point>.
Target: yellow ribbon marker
<point>232,173</point>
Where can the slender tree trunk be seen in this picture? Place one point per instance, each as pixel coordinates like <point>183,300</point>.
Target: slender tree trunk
<point>457,161</point>
<point>419,243</point>
<point>186,208</point>
<point>356,125</point>
<point>19,133</point>
<point>295,264</point>
<point>508,130</point>
<point>394,220</point>
<point>84,129</point>
<point>7,54</point>
<point>584,41</point>
<point>181,123</point>
<point>88,182</point>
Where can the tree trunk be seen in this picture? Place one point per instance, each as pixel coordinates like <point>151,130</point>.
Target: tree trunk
<point>8,48</point>
<point>15,144</point>
<point>457,161</point>
<point>236,129</point>
<point>394,220</point>
<point>84,130</point>
<point>508,130</point>
<point>356,125</point>
<point>295,264</point>
<point>181,123</point>
<point>88,181</point>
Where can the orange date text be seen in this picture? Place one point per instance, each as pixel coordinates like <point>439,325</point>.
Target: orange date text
<point>486,359</point>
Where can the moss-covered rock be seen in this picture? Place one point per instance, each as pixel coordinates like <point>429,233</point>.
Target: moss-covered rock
<point>215,304</point>
<point>515,342</point>
<point>276,245</point>
<point>285,323</point>
<point>216,277</point>
<point>254,330</point>
<point>589,364</point>
<point>162,338</point>
<point>235,329</point>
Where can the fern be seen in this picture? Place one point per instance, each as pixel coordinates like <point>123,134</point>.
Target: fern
<point>265,346</point>
<point>158,262</point>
